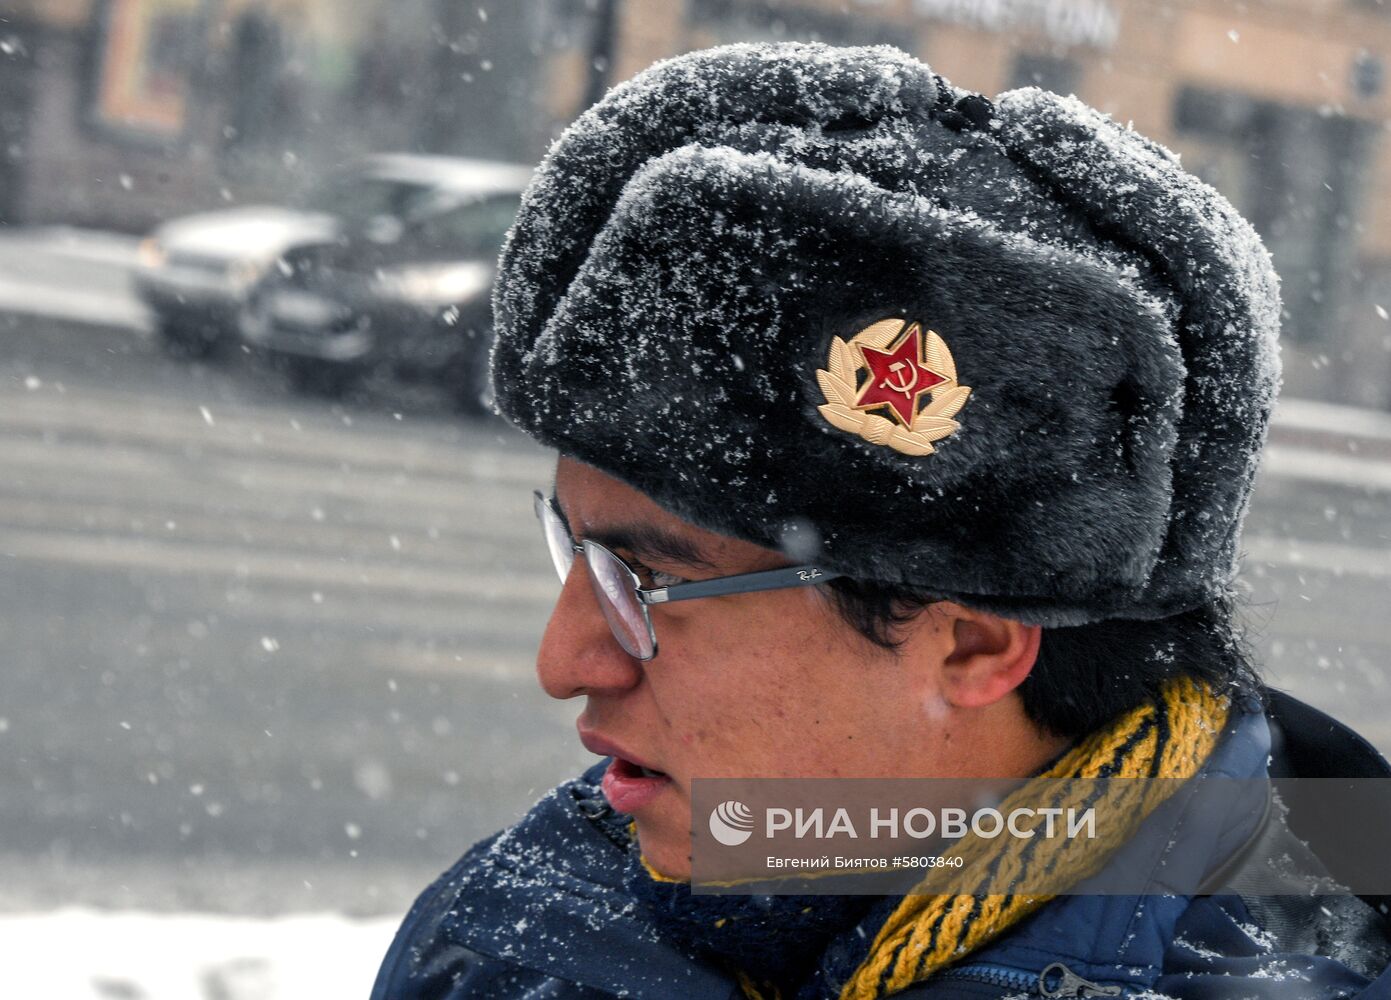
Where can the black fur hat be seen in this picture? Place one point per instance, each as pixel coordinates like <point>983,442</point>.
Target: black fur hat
<point>1007,352</point>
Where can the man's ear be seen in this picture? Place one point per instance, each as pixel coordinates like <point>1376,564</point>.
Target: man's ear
<point>988,656</point>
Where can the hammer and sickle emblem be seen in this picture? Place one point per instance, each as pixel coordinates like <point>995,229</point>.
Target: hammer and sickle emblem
<point>905,362</point>
<point>906,386</point>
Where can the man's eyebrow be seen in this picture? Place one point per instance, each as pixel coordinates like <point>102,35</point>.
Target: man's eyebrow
<point>645,542</point>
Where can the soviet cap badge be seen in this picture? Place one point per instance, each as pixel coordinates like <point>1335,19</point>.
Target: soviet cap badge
<point>893,384</point>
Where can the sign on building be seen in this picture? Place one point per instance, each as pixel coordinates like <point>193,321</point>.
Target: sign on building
<point>1093,23</point>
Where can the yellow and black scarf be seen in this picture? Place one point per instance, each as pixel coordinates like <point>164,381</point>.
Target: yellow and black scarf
<point>813,948</point>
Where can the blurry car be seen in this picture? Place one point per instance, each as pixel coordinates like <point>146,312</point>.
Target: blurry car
<point>403,289</point>
<point>195,272</point>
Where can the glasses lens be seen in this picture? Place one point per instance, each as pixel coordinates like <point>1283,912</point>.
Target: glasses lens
<point>557,538</point>
<point>616,590</point>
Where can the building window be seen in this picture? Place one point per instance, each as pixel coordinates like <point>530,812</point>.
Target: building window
<point>145,55</point>
<point>1296,175</point>
<point>567,23</point>
<point>1033,69</point>
<point>772,21</point>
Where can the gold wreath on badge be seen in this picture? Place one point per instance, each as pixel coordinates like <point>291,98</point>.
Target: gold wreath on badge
<point>904,363</point>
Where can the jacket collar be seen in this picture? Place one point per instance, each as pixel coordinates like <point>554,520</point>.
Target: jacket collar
<point>556,878</point>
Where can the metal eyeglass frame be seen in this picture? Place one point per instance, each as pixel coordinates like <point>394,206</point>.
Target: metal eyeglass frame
<point>739,583</point>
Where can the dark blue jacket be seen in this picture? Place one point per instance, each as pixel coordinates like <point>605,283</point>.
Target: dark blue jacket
<point>539,910</point>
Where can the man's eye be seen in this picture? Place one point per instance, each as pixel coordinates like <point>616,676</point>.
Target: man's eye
<point>660,579</point>
<point>654,577</point>
<point>650,578</point>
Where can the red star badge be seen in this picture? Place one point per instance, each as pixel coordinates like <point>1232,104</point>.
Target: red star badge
<point>897,377</point>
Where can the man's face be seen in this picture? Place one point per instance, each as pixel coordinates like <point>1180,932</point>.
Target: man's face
<point>771,684</point>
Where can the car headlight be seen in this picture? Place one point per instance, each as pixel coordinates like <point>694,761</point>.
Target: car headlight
<point>436,285</point>
<point>150,253</point>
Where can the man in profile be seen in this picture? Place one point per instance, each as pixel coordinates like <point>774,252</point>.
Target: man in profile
<point>902,433</point>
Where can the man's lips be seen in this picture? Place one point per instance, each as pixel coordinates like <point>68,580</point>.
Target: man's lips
<point>605,747</point>
<point>629,783</point>
<point>628,789</point>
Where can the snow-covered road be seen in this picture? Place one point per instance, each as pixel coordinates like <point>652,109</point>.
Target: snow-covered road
<point>80,275</point>
<point>80,954</point>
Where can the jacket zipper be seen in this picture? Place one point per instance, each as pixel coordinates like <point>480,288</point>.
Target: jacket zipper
<point>1056,980</point>
<point>995,975</point>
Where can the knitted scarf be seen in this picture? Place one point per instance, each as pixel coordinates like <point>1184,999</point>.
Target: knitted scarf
<point>829,947</point>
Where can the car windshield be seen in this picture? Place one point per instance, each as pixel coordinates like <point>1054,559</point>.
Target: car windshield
<point>457,225</point>
<point>450,221</point>
<point>357,197</point>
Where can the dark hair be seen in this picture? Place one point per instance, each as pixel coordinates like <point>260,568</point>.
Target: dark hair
<point>1086,675</point>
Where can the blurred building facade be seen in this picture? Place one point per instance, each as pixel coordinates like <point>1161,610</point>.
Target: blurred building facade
<point>121,112</point>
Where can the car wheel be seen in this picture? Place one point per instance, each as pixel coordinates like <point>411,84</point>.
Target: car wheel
<point>187,341</point>
<point>318,378</point>
<point>467,380</point>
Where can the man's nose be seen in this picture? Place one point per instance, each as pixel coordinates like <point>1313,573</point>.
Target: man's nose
<point>579,654</point>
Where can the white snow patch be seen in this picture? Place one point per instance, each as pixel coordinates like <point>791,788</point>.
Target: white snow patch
<point>1196,949</point>
<point>1263,938</point>
<point>80,954</point>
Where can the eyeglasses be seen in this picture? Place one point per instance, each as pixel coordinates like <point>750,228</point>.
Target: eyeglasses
<point>622,597</point>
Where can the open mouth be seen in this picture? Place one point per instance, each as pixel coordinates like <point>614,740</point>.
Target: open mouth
<point>629,786</point>
<point>628,769</point>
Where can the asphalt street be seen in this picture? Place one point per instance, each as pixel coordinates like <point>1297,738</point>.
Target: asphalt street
<point>262,652</point>
<point>269,653</point>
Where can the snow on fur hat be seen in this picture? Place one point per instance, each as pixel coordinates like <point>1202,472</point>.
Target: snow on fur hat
<point>1009,353</point>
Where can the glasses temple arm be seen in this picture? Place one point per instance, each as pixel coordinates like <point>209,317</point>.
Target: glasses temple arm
<point>743,583</point>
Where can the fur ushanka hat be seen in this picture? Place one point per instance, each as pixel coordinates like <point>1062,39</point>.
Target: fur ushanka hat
<point>1007,352</point>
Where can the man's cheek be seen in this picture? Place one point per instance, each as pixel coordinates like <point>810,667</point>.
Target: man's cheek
<point>721,745</point>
